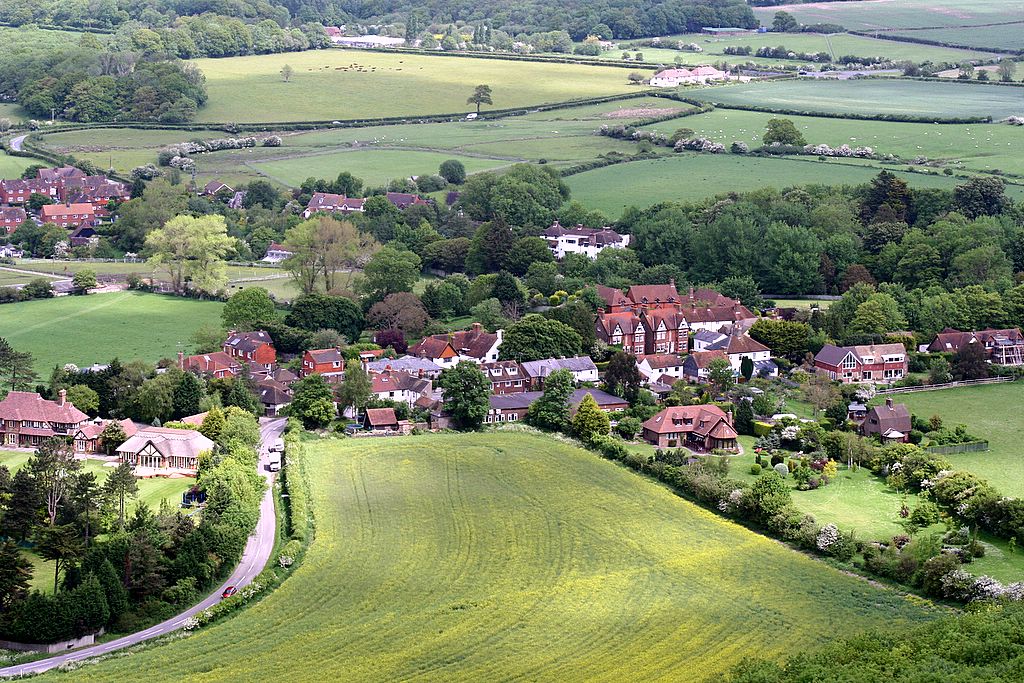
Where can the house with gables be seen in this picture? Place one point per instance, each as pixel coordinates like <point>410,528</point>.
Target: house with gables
<point>27,419</point>
<point>625,329</point>
<point>702,428</point>
<point>890,422</point>
<point>582,368</point>
<point>277,253</point>
<point>256,348</point>
<point>274,396</point>
<point>655,366</point>
<point>506,376</point>
<point>400,386</point>
<point>1002,347</point>
<point>20,191</point>
<point>513,407</point>
<point>740,346</point>
<point>325,202</point>
<point>411,364</point>
<point>10,218</point>
<point>580,240</point>
<point>163,451</point>
<point>403,200</point>
<point>884,363</point>
<point>326,362</point>
<point>87,439</point>
<point>697,366</point>
<point>217,364</point>
<point>475,345</point>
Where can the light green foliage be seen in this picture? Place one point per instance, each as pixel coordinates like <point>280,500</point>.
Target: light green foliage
<point>248,308</point>
<point>589,420</point>
<point>192,249</point>
<point>466,391</point>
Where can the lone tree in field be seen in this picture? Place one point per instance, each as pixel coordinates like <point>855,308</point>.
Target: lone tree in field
<point>286,73</point>
<point>1007,68</point>
<point>784,132</point>
<point>481,95</point>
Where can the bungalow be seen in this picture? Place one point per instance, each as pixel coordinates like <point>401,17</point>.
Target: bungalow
<point>27,419</point>
<point>655,365</point>
<point>446,350</point>
<point>326,202</point>
<point>404,200</point>
<point>701,428</point>
<point>68,215</point>
<point>506,376</point>
<point>277,253</point>
<point>381,420</point>
<point>87,439</point>
<point>866,363</point>
<point>582,368</point>
<point>163,450</point>
<point>696,367</point>
<point>671,78</point>
<point>255,347</point>
<point>326,362</point>
<point>274,397</point>
<point>580,240</point>
<point>213,187</point>
<point>217,364</point>
<point>513,407</point>
<point>890,422</point>
<point>10,218</point>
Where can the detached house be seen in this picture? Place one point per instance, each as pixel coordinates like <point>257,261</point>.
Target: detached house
<point>447,350</point>
<point>274,396</point>
<point>1002,347</point>
<point>326,202</point>
<point>655,366</point>
<point>68,215</point>
<point>252,347</point>
<point>740,346</point>
<point>890,422</point>
<point>700,428</point>
<point>696,367</point>
<point>866,363</point>
<point>87,438</point>
<point>162,450</point>
<point>580,240</point>
<point>404,200</point>
<point>277,253</point>
<point>213,187</point>
<point>326,362</point>
<point>420,367</point>
<point>27,419</point>
<point>217,364</point>
<point>400,386</point>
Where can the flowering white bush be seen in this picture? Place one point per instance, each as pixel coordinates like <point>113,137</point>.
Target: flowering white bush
<point>827,537</point>
<point>272,141</point>
<point>1015,120</point>
<point>184,149</point>
<point>700,145</point>
<point>183,164</point>
<point>840,151</point>
<point>285,561</point>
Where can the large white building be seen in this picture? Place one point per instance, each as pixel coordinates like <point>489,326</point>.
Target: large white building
<point>670,78</point>
<point>580,240</point>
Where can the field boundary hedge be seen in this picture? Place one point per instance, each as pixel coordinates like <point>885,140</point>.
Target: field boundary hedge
<point>938,43</point>
<point>503,56</point>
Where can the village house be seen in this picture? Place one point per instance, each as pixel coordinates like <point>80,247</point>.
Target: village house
<point>411,364</point>
<point>656,366</point>
<point>705,340</point>
<point>277,253</point>
<point>891,422</point>
<point>217,364</point>
<point>475,345</point>
<point>697,366</point>
<point>701,428</point>
<point>625,329</point>
<point>162,451</point>
<point>326,202</point>
<point>580,240</point>
<point>1002,347</point>
<point>582,368</point>
<point>213,187</point>
<point>68,215</point>
<point>400,386</point>
<point>404,200</point>
<point>252,347</point>
<point>384,421</point>
<point>10,218</point>
<point>10,251</point>
<point>671,78</point>
<point>740,346</point>
<point>27,419</point>
<point>326,362</point>
<point>506,376</point>
<point>274,396</point>
<point>87,439</point>
<point>513,407</point>
<point>20,191</point>
<point>368,41</point>
<point>59,175</point>
<point>98,191</point>
<point>865,363</point>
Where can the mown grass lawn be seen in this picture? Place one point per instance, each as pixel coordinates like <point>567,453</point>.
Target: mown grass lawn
<point>504,556</point>
<point>347,84</point>
<point>94,329</point>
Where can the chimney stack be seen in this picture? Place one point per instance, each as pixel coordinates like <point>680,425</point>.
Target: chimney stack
<point>476,327</point>
<point>888,402</point>
<point>62,397</point>
<point>181,360</point>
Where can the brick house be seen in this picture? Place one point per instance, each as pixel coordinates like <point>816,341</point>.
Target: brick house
<point>891,422</point>
<point>326,362</point>
<point>400,386</point>
<point>625,329</point>
<point>27,419</point>
<point>60,175</point>
<point>253,347</point>
<point>582,368</point>
<point>98,190</point>
<point>513,407</point>
<point>404,200</point>
<point>217,364</point>
<point>87,438</point>
<point>1002,347</point>
<point>10,218</point>
<point>19,191</point>
<point>506,376</point>
<point>700,428</point>
<point>696,367</point>
<point>865,363</point>
<point>447,350</point>
<point>68,215</point>
<point>326,202</point>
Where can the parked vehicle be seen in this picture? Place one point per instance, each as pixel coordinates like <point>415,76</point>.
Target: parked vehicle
<point>274,462</point>
<point>229,591</point>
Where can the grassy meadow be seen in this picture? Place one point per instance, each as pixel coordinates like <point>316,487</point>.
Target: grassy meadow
<point>685,177</point>
<point>349,84</point>
<point>11,167</point>
<point>94,329</point>
<point>974,147</point>
<point>512,556</point>
<point>871,96</point>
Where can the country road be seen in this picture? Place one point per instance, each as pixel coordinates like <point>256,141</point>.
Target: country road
<point>254,559</point>
<point>16,143</point>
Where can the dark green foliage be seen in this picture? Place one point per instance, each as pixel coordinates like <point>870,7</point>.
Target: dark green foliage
<point>313,401</point>
<point>466,394</point>
<point>744,421</point>
<point>535,337</point>
<point>622,377</point>
<point>321,311</point>
<point>551,410</point>
<point>188,393</point>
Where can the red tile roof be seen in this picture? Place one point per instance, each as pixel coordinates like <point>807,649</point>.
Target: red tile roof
<point>28,406</point>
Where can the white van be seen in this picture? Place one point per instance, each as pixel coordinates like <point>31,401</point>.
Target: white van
<point>274,462</point>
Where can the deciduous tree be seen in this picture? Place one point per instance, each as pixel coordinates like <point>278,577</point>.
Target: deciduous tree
<point>466,391</point>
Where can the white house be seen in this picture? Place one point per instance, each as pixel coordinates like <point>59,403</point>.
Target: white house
<point>740,346</point>
<point>582,368</point>
<point>276,253</point>
<point>653,366</point>
<point>475,345</point>
<point>671,78</point>
<point>581,240</point>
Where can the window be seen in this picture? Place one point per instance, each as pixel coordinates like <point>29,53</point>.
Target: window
<point>849,363</point>
<point>866,374</point>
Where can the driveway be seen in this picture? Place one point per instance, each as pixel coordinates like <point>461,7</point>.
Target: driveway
<point>254,559</point>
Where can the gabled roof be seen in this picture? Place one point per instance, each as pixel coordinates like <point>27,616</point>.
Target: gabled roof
<point>248,341</point>
<point>626,321</point>
<point>739,343</point>
<point>708,336</point>
<point>168,442</point>
<point>215,186</point>
<point>704,420</point>
<point>404,200</point>
<point>325,355</point>
<point>702,359</point>
<point>30,406</point>
<point>502,370</point>
<point>612,296</point>
<point>384,382</point>
<point>412,364</point>
<point>659,361</point>
<point>640,294</point>
<point>474,343</point>
<point>376,417</point>
<point>543,368</point>
<point>65,209</point>
<point>273,393</point>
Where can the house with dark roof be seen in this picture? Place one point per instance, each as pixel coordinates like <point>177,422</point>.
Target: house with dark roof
<point>404,200</point>
<point>580,240</point>
<point>20,191</point>
<point>213,187</point>
<point>403,387</point>
<point>890,422</point>
<point>164,450</point>
<point>326,362</point>
<point>1002,347</point>
<point>702,428</point>
<point>253,347</point>
<point>704,340</point>
<point>864,363</point>
<point>625,329</point>
<point>63,173</point>
<point>697,366</point>
<point>513,407</point>
<point>740,346</point>
<point>505,376</point>
<point>27,419</point>
<point>653,366</point>
<point>582,368</point>
<point>326,202</point>
<point>475,345</point>
<point>10,218</point>
<point>274,396</point>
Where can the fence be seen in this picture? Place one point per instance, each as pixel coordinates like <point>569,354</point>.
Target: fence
<point>947,385</point>
<point>972,447</point>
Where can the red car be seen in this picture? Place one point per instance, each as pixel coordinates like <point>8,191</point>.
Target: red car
<point>229,591</point>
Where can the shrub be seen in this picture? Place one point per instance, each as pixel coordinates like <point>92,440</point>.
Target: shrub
<point>782,469</point>
<point>755,468</point>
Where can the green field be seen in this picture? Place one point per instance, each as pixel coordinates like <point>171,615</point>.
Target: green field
<point>974,147</point>
<point>11,167</point>
<point>872,96</point>
<point>514,557</point>
<point>348,84</point>
<point>881,15</point>
<point>94,329</point>
<point>836,45</point>
<point>380,153</point>
<point>686,177</point>
<point>990,412</point>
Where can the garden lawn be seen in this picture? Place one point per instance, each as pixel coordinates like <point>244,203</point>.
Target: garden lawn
<point>934,100</point>
<point>351,84</point>
<point>990,412</point>
<point>974,147</point>
<point>94,329</point>
<point>688,177</point>
<point>505,556</point>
